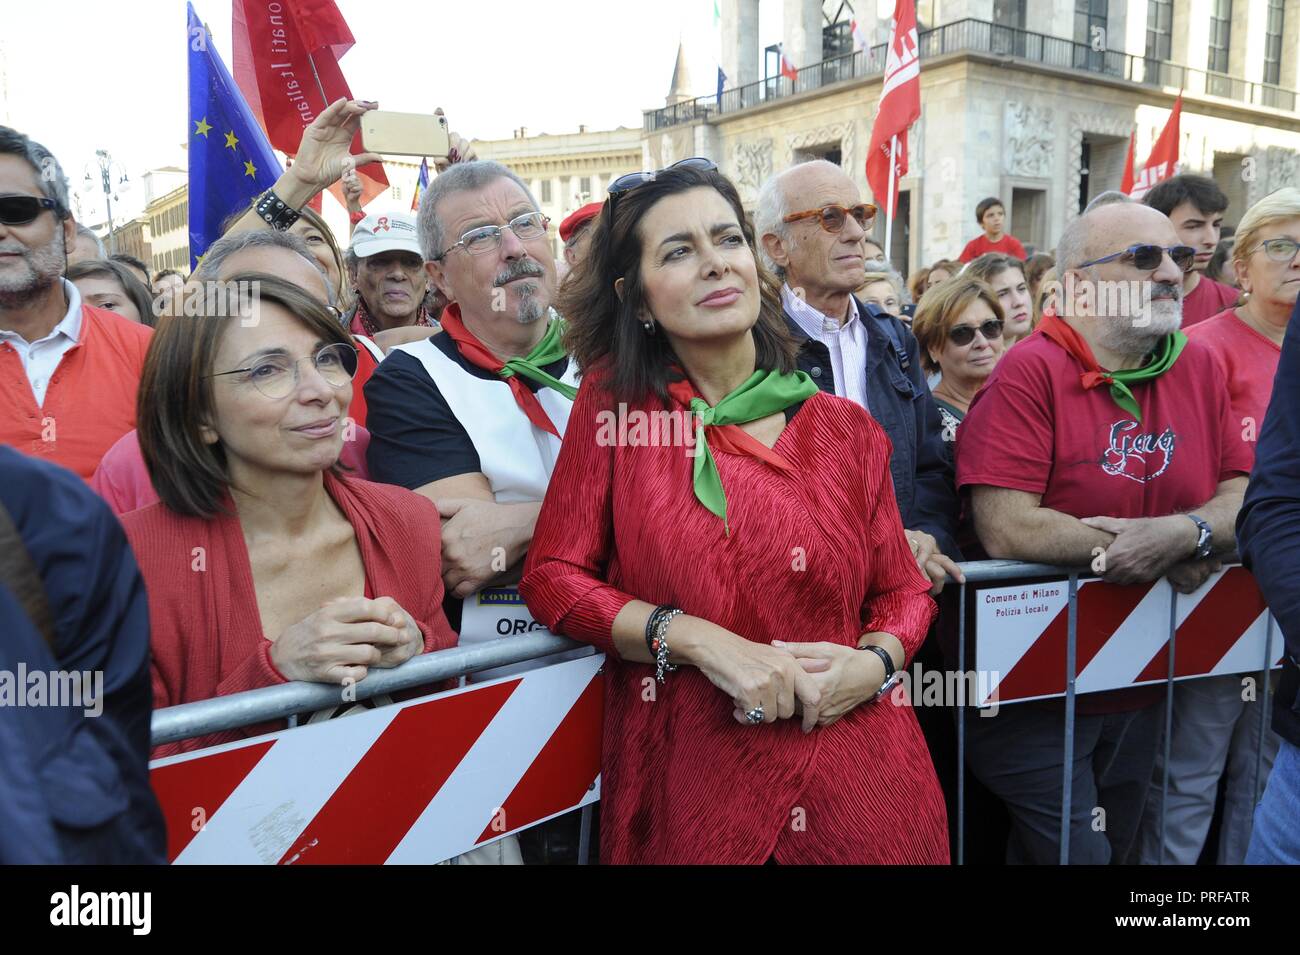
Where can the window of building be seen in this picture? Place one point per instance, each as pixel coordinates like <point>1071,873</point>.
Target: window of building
<point>584,186</point>
<point>1220,34</point>
<point>546,190</point>
<point>1009,13</point>
<point>1273,42</point>
<point>1160,29</point>
<point>1087,15</point>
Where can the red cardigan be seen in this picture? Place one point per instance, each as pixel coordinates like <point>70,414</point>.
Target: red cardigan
<point>207,635</point>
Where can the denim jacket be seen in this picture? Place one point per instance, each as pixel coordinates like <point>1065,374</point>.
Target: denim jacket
<point>900,401</point>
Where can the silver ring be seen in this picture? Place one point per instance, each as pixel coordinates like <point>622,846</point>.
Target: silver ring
<point>755,715</point>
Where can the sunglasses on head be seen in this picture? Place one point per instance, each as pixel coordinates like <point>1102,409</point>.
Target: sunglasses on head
<point>20,210</point>
<point>832,218</point>
<point>965,334</point>
<point>633,179</point>
<point>1147,258</point>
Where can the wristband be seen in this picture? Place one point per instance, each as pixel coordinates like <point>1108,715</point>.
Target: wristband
<point>656,629</point>
<point>891,674</point>
<point>275,212</point>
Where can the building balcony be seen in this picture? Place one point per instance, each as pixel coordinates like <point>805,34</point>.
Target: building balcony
<point>981,37</point>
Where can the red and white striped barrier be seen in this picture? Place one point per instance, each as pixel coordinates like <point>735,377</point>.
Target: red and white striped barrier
<point>414,782</point>
<point>1122,637</point>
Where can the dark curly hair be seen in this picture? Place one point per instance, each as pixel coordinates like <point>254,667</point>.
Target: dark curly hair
<point>604,331</point>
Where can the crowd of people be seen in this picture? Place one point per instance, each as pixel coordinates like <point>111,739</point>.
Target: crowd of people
<point>317,482</point>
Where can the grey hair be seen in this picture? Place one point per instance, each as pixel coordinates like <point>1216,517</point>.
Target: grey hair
<point>1107,198</point>
<point>233,242</point>
<point>459,177</point>
<point>771,210</point>
<point>85,232</point>
<point>48,171</point>
<point>1072,247</point>
<point>350,261</point>
<point>894,278</point>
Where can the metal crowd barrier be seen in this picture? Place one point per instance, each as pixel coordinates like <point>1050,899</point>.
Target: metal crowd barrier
<point>273,703</point>
<point>982,572</point>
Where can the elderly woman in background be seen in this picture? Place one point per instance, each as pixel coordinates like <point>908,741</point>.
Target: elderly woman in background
<point>112,286</point>
<point>1215,731</point>
<point>884,289</point>
<point>674,558</point>
<point>959,326</point>
<point>265,563</point>
<point>1005,274</point>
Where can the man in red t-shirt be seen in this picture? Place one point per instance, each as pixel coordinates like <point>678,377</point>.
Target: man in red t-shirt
<point>1103,435</point>
<point>1195,205</point>
<point>991,215</point>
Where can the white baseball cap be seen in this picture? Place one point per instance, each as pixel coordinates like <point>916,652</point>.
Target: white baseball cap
<point>385,232</point>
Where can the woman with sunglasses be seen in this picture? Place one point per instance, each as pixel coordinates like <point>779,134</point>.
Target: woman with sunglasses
<point>748,579</point>
<point>1215,731</point>
<point>959,326</point>
<point>264,562</point>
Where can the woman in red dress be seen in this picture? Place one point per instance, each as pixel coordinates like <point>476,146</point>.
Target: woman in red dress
<point>712,511</point>
<point>263,561</point>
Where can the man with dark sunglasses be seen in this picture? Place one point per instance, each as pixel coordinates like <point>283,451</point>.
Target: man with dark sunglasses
<point>813,227</point>
<point>1195,206</point>
<point>1105,439</point>
<point>68,372</point>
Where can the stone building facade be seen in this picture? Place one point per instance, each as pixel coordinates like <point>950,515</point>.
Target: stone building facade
<point>1030,101</point>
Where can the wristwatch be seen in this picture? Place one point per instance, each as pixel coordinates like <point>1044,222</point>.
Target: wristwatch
<point>892,676</point>
<point>1204,541</point>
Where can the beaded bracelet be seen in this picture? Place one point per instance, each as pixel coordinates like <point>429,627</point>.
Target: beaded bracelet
<point>656,629</point>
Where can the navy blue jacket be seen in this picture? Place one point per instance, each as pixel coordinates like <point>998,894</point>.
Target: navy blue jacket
<point>1268,526</point>
<point>900,401</point>
<point>75,787</point>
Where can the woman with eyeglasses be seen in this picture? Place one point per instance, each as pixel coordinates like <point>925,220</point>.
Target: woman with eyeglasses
<point>1215,731</point>
<point>744,568</point>
<point>959,326</point>
<point>264,561</point>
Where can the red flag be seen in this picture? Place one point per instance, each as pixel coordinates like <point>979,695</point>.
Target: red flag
<point>787,68</point>
<point>1126,184</point>
<point>1163,161</point>
<point>900,106</point>
<point>287,66</point>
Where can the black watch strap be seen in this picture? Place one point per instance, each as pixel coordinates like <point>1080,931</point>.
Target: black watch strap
<point>1205,541</point>
<point>885,658</point>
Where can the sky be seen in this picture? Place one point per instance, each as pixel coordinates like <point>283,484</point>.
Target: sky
<point>81,75</point>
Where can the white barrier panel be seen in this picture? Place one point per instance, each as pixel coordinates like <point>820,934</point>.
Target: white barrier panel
<point>414,782</point>
<point>1122,636</point>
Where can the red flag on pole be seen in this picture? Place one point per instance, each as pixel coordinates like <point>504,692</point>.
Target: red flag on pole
<point>1126,183</point>
<point>1163,161</point>
<point>286,64</point>
<point>787,68</point>
<point>900,107</point>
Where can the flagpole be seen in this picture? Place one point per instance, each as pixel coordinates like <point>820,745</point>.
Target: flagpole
<point>889,198</point>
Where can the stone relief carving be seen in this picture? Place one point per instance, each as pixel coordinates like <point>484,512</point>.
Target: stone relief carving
<point>753,163</point>
<point>1030,140</point>
<point>843,133</point>
<point>1283,168</point>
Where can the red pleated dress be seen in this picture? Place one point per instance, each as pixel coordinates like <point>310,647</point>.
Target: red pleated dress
<point>814,555</point>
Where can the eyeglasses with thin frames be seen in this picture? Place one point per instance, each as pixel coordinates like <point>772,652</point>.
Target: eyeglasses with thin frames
<point>277,376</point>
<point>530,225</point>
<point>1280,249</point>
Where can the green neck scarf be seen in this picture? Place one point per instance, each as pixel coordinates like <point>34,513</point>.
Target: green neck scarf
<point>763,393</point>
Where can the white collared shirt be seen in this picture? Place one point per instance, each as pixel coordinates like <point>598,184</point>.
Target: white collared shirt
<point>40,358</point>
<point>846,343</point>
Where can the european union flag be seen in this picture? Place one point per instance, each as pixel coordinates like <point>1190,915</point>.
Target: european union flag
<point>231,161</point>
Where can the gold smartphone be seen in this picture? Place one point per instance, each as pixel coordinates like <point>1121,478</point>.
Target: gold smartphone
<point>405,134</point>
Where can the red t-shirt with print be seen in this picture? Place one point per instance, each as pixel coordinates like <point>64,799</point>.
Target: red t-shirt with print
<point>1034,428</point>
<point>1249,363</point>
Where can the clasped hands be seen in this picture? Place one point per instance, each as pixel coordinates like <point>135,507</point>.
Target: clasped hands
<point>1146,548</point>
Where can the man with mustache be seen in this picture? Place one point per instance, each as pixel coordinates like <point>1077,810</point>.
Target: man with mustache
<point>1195,205</point>
<point>473,417</point>
<point>385,263</point>
<point>1104,439</point>
<point>68,372</point>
